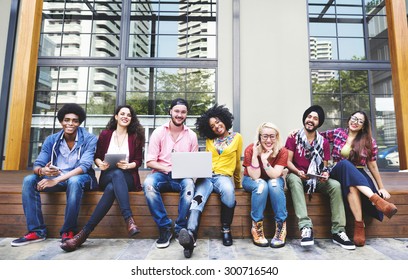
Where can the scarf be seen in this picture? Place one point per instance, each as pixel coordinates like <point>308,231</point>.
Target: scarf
<point>313,152</point>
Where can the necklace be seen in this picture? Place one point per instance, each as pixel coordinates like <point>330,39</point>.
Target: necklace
<point>117,139</point>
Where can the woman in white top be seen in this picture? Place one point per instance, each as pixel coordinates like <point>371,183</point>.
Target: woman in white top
<point>123,135</point>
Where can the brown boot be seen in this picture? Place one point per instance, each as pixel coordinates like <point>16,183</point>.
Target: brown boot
<point>73,243</point>
<point>279,240</point>
<point>359,233</point>
<point>258,234</point>
<point>132,228</point>
<point>389,209</point>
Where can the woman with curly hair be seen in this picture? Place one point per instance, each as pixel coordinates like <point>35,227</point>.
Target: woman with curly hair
<point>226,149</point>
<point>354,149</point>
<point>123,135</point>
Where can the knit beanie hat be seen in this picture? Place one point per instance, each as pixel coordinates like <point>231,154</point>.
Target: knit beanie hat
<point>318,110</point>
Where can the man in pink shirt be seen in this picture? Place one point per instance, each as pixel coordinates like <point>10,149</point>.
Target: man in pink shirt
<point>171,137</point>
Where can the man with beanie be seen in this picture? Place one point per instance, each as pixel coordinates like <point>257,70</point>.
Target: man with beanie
<point>64,164</point>
<point>171,137</point>
<point>308,156</point>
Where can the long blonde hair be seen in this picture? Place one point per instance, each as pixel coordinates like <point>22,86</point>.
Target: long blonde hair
<point>278,144</point>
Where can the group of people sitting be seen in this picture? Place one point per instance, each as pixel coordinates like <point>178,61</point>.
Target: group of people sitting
<point>66,160</point>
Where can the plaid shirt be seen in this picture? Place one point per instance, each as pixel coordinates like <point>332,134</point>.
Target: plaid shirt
<point>338,137</point>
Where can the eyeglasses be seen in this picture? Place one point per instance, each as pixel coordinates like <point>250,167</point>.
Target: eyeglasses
<point>354,119</point>
<point>266,136</point>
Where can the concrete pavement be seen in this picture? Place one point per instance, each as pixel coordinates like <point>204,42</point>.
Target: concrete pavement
<point>207,249</point>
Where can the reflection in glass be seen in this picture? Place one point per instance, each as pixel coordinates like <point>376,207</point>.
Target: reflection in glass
<point>89,35</point>
<point>173,29</point>
<point>342,24</point>
<point>322,29</point>
<point>350,29</point>
<point>325,81</point>
<point>70,27</point>
<point>354,103</point>
<point>331,104</point>
<point>323,48</point>
<point>354,81</point>
<point>161,85</point>
<point>99,103</point>
<point>381,83</point>
<point>351,49</point>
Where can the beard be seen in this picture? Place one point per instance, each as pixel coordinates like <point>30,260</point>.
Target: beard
<point>313,129</point>
<point>175,121</point>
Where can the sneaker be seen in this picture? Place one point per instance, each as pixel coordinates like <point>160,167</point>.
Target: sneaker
<point>165,237</point>
<point>30,237</point>
<point>66,235</point>
<point>307,237</point>
<point>342,239</point>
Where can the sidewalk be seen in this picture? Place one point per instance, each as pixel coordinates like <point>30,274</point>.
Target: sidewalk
<point>207,249</point>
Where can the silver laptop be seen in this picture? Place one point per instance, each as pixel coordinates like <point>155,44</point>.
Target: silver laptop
<point>191,165</point>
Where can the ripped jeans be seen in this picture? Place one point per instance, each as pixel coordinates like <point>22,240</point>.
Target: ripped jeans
<point>158,182</point>
<point>220,184</point>
<point>260,190</point>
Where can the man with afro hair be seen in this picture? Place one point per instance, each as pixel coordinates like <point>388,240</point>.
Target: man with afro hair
<point>64,164</point>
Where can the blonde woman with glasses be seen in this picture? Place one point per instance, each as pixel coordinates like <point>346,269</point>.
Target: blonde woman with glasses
<point>353,151</point>
<point>264,161</point>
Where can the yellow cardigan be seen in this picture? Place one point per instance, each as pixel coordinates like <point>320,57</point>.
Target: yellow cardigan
<point>229,162</point>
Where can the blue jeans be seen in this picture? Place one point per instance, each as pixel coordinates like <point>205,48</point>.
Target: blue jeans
<point>74,188</point>
<point>260,190</point>
<point>116,184</point>
<point>158,182</point>
<point>220,184</point>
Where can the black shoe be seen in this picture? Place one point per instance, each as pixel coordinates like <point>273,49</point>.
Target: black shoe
<point>186,239</point>
<point>226,235</point>
<point>307,237</point>
<point>342,239</point>
<point>165,237</point>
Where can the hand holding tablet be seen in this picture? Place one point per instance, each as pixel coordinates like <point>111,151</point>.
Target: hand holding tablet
<point>317,176</point>
<point>113,159</point>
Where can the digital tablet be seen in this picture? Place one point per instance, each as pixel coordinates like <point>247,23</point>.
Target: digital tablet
<point>113,159</point>
<point>316,175</point>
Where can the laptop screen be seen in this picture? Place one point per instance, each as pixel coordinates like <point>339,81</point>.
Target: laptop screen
<point>191,165</point>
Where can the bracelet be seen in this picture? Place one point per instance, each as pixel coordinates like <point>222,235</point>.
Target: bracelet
<point>254,167</point>
<point>267,167</point>
<point>40,172</point>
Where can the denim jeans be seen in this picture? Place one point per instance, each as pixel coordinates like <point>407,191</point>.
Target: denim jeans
<point>260,190</point>
<point>158,182</point>
<point>74,188</point>
<point>330,188</point>
<point>116,184</point>
<point>220,184</point>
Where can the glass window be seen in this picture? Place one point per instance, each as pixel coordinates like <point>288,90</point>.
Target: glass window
<point>151,90</point>
<point>355,31</point>
<point>173,29</point>
<point>354,34</point>
<point>99,59</point>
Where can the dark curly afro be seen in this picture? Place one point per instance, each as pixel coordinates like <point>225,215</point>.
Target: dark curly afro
<point>71,108</point>
<point>217,111</point>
